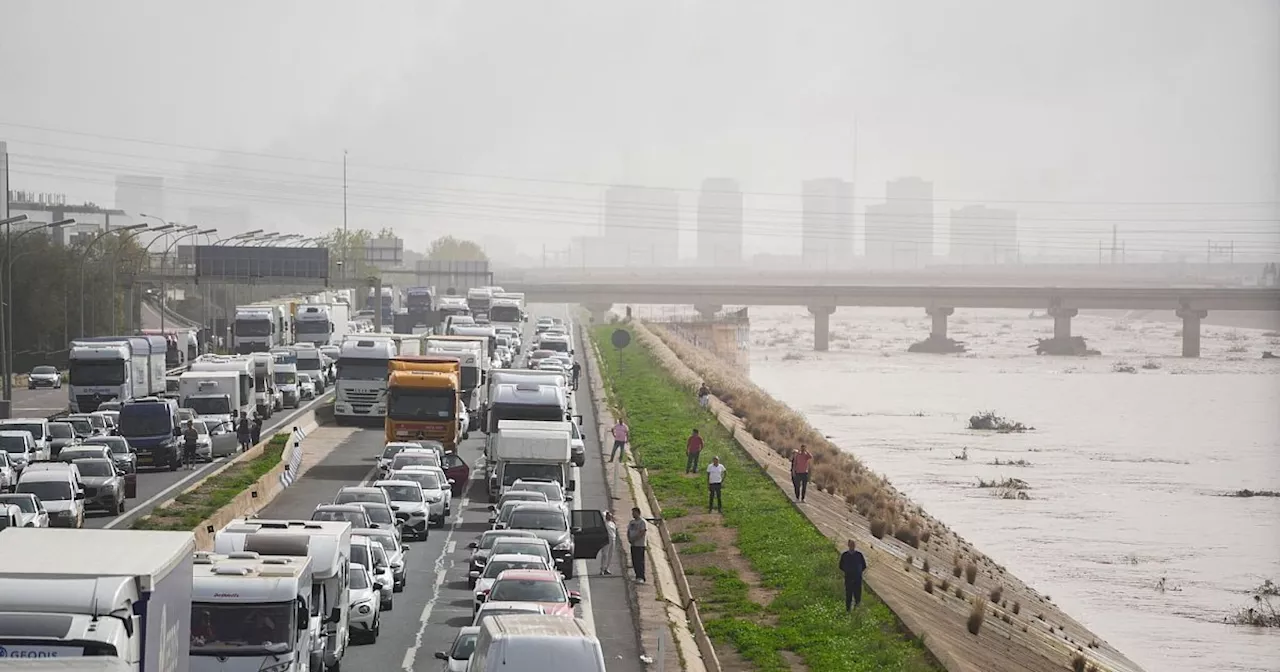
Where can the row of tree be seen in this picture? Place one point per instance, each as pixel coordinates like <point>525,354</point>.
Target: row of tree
<point>53,283</point>
<point>347,248</point>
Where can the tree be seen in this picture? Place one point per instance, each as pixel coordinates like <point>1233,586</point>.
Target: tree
<point>449,248</point>
<point>348,247</point>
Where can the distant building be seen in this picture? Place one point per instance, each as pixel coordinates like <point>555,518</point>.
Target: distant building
<point>984,236</point>
<point>720,223</point>
<point>42,209</point>
<point>141,194</point>
<point>899,232</point>
<point>826,225</point>
<point>385,252</point>
<point>642,226</point>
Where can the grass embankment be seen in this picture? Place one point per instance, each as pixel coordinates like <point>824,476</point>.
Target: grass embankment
<point>189,509</point>
<point>765,578</point>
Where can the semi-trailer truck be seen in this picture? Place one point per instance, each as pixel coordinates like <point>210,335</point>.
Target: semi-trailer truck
<point>314,324</point>
<point>361,389</point>
<point>114,368</point>
<point>122,594</point>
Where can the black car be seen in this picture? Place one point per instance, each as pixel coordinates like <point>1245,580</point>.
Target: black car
<point>61,435</point>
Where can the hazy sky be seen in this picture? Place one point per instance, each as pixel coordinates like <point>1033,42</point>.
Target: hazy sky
<point>1084,103</point>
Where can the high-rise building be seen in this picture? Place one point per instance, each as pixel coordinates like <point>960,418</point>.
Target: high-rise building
<point>982,235</point>
<point>141,194</point>
<point>899,232</point>
<point>720,223</point>
<point>826,225</point>
<point>643,225</point>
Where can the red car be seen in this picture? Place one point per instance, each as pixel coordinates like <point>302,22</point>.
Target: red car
<point>542,587</point>
<point>457,471</point>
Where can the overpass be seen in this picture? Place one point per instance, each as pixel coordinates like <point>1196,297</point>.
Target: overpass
<point>1062,303</point>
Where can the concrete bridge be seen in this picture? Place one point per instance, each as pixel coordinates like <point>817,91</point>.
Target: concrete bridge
<point>1062,303</point>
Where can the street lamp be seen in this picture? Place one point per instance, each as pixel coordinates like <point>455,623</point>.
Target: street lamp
<point>164,290</point>
<point>263,238</point>
<point>238,237</point>
<point>6,320</point>
<point>84,259</point>
<point>115,251</point>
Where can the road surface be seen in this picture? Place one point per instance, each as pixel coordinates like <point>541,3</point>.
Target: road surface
<point>40,403</point>
<point>436,600</point>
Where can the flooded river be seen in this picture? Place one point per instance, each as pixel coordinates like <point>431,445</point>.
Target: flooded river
<point>1127,527</point>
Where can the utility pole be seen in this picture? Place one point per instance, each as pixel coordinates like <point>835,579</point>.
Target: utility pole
<point>346,241</point>
<point>1114,233</point>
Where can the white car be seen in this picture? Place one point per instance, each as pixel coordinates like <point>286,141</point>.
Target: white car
<point>204,441</point>
<point>555,494</point>
<point>383,573</point>
<point>20,447</point>
<point>435,488</point>
<point>410,505</point>
<point>365,620</point>
<point>8,474</point>
<point>44,376</point>
<point>390,542</point>
<point>389,451</point>
<point>459,653</point>
<point>497,565</point>
<point>306,386</point>
<point>58,485</point>
<point>31,509</point>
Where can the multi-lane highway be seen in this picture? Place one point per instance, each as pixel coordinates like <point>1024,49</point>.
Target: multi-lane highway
<point>436,600</point>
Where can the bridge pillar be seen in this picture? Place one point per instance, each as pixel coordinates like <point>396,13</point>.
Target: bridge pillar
<point>599,312</point>
<point>821,327</point>
<point>1062,322</point>
<point>1191,318</point>
<point>707,311</point>
<point>939,315</point>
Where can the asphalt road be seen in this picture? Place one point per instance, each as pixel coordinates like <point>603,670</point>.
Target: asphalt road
<point>155,487</point>
<point>436,601</point>
<point>40,403</point>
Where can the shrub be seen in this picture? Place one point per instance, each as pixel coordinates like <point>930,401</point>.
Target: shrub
<point>928,585</point>
<point>970,573</point>
<point>945,585</point>
<point>1017,607</point>
<point>1078,663</point>
<point>925,565</point>
<point>877,528</point>
<point>956,571</point>
<point>996,593</point>
<point>977,615</point>
<point>909,535</point>
<point>959,592</point>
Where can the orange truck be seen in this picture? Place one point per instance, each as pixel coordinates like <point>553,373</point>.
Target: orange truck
<point>423,400</point>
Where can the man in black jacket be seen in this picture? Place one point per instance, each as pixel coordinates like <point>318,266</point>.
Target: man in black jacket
<point>852,564</point>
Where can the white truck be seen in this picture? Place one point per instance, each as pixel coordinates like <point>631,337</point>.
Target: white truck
<point>114,368</point>
<point>310,361</point>
<point>123,594</point>
<point>506,309</point>
<point>244,368</point>
<point>472,367</point>
<point>258,328</point>
<point>314,324</point>
<point>329,547</point>
<point>340,315</point>
<point>266,396</point>
<point>361,388</point>
<point>214,395</point>
<point>516,453</point>
<point>251,611</point>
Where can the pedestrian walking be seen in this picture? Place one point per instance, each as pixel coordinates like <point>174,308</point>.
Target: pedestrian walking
<point>800,462</point>
<point>255,429</point>
<point>704,396</point>
<point>637,529</point>
<point>577,370</point>
<point>606,553</point>
<point>852,564</point>
<point>190,439</point>
<point>694,449</point>
<point>244,433</point>
<point>715,482</point>
<point>621,433</point>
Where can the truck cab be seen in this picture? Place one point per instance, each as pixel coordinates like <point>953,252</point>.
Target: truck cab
<point>423,402</point>
<point>313,324</point>
<point>212,395</point>
<point>255,329</point>
<point>287,382</point>
<point>251,611</point>
<point>361,388</point>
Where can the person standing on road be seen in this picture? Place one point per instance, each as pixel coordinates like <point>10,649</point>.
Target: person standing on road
<point>190,438</point>
<point>244,434</point>
<point>255,429</point>
<point>606,553</point>
<point>852,564</point>
<point>694,448</point>
<point>800,462</point>
<point>715,482</point>
<point>621,433</point>
<point>577,370</point>
<point>637,529</point>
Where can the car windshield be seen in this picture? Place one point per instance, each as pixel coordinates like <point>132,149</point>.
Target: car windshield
<point>360,580</point>
<point>61,430</point>
<point>81,426</point>
<point>24,503</point>
<point>117,446</point>
<point>357,519</point>
<point>494,568</point>
<point>551,490</point>
<point>44,371</point>
<point>522,496</point>
<point>487,541</point>
<point>421,404</point>
<point>102,372</point>
<point>537,520</point>
<point>360,555</point>
<point>286,377</point>
<point>100,468</point>
<point>222,628</point>
<point>403,493</point>
<point>386,541</point>
<point>13,444</point>
<point>48,491</point>
<point>464,646</point>
<point>527,590</point>
<point>146,419</point>
<point>208,405</point>
<point>427,479</point>
<point>513,472</point>
<point>352,496</point>
<point>362,369</point>
<point>36,431</point>
<point>410,459</point>
<point>390,450</point>
<point>380,514</point>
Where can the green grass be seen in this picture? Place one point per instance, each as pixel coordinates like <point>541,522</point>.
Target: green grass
<point>191,508</point>
<point>792,557</point>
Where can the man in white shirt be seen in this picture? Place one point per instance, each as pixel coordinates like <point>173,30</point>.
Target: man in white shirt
<point>715,480</point>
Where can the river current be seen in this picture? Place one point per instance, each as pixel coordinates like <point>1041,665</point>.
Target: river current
<point>1127,527</point>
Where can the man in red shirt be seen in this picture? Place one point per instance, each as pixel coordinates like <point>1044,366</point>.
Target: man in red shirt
<point>694,447</point>
<point>800,462</point>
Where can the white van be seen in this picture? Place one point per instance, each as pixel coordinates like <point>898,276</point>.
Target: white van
<point>20,447</point>
<point>58,486</point>
<point>535,643</point>
<point>39,429</point>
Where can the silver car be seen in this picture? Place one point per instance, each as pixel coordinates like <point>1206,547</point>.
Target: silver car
<point>394,550</point>
<point>103,484</point>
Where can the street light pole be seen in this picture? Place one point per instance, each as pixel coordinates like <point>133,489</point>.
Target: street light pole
<point>114,286</point>
<point>164,291</point>
<point>84,260</point>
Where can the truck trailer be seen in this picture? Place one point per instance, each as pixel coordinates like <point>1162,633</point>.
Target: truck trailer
<point>114,368</point>
<point>123,594</point>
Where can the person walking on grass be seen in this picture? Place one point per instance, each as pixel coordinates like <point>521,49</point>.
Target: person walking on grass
<point>715,482</point>
<point>621,433</point>
<point>800,462</point>
<point>852,564</point>
<point>606,553</point>
<point>704,396</point>
<point>694,449</point>
<point>637,529</point>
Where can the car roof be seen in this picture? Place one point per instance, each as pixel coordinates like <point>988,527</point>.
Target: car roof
<point>92,459</point>
<point>530,575</point>
<point>526,534</point>
<point>515,557</point>
<point>393,482</point>
<point>540,506</point>
<point>360,488</point>
<point>369,504</point>
<point>14,432</point>
<point>340,507</point>
<point>524,540</point>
